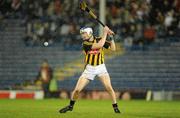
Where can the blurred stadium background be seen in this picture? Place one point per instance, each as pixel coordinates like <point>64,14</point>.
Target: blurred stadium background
<point>145,66</point>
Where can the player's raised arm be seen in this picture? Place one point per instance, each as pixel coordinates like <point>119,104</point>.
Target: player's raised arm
<point>113,45</point>
<point>100,44</point>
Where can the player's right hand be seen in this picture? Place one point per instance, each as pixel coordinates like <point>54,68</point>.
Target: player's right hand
<point>108,31</point>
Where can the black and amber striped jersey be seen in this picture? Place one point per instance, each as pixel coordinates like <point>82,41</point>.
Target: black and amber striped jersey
<point>94,56</point>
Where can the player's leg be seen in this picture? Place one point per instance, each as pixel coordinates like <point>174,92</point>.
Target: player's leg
<point>82,82</point>
<point>105,79</point>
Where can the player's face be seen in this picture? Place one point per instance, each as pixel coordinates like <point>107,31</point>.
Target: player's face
<point>85,36</point>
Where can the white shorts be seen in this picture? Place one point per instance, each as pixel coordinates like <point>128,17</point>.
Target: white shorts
<point>91,72</point>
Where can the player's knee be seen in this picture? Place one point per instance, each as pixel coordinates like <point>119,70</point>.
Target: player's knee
<point>109,88</point>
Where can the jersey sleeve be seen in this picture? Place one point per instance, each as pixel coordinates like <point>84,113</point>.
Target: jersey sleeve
<point>107,44</point>
<point>87,47</point>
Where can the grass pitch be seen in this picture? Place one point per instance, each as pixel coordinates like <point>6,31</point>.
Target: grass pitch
<point>88,109</point>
